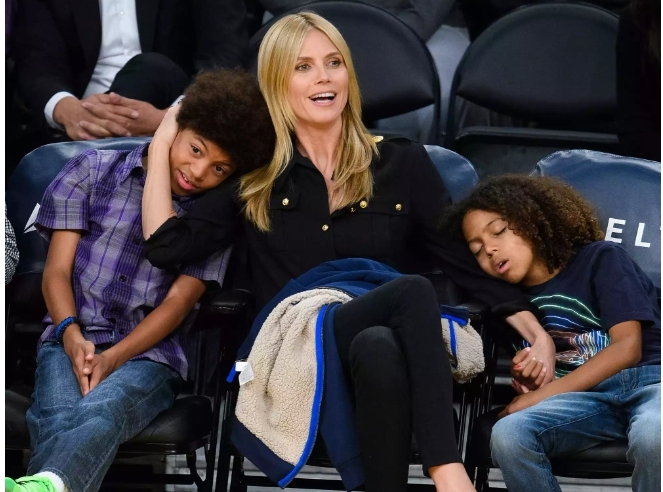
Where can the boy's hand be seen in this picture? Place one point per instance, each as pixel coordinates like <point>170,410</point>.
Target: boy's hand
<point>81,354</point>
<point>168,129</point>
<point>529,373</point>
<point>103,366</point>
<point>521,402</point>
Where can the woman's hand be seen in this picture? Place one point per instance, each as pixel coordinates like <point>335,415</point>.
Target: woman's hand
<point>168,129</point>
<point>529,373</point>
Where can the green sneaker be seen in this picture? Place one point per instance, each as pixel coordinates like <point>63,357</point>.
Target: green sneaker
<point>29,484</point>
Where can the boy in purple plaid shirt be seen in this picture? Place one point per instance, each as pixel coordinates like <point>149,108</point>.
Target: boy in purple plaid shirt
<point>111,357</point>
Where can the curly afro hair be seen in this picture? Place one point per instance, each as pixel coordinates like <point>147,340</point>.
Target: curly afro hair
<point>545,211</point>
<point>227,108</point>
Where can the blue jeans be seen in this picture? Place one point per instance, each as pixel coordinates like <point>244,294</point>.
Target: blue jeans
<point>626,405</point>
<point>77,438</point>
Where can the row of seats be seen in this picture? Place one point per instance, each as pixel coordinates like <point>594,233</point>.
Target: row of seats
<point>625,192</point>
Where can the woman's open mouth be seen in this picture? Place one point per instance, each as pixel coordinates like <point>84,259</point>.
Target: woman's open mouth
<point>323,98</point>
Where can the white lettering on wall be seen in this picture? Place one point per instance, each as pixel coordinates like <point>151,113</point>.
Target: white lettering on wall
<point>611,228</point>
<point>638,237</point>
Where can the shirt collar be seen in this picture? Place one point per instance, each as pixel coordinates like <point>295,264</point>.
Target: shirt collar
<point>134,161</point>
<point>297,159</point>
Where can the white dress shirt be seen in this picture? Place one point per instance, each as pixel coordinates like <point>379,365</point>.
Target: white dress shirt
<point>119,43</point>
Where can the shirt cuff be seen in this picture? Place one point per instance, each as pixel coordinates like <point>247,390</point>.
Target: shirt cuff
<point>50,107</point>
<point>177,101</point>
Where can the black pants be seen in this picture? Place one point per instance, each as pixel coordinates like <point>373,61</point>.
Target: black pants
<point>391,348</point>
<point>150,77</point>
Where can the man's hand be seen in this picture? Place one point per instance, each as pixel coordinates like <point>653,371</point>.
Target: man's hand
<point>138,118</point>
<point>103,365</point>
<point>80,124</point>
<point>521,402</point>
<point>81,355</point>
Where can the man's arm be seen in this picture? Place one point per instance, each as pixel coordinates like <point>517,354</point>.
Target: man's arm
<point>425,16</point>
<point>59,296</point>
<point>161,322</point>
<point>624,351</point>
<point>42,63</point>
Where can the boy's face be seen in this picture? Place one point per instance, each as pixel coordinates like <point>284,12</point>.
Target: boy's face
<point>500,252</point>
<point>196,164</point>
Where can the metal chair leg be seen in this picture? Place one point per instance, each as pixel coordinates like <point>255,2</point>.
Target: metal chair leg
<point>225,446</point>
<point>237,480</point>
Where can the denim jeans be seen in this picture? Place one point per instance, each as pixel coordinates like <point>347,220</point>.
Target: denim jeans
<point>626,405</point>
<point>77,438</point>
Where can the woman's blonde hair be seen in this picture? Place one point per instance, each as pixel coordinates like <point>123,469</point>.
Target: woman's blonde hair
<point>277,58</point>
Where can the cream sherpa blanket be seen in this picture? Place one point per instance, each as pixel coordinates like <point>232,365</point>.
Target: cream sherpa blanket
<point>276,405</point>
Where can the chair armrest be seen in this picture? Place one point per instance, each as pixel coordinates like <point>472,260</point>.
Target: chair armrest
<point>475,307</point>
<point>234,301</point>
<point>219,307</point>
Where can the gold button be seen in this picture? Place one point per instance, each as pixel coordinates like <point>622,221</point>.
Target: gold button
<point>352,209</point>
<point>325,227</point>
<point>285,201</point>
<point>399,206</point>
<point>363,204</point>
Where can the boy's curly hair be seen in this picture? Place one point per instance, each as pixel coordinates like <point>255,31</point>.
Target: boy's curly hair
<point>545,211</point>
<point>226,107</point>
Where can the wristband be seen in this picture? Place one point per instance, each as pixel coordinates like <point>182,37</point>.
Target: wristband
<point>64,324</point>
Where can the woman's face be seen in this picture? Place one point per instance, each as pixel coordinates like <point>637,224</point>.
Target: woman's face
<point>318,90</point>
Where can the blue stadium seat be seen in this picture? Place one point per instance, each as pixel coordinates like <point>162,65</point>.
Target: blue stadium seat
<point>626,194</point>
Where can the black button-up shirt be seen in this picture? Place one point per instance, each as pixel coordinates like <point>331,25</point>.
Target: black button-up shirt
<point>397,226</point>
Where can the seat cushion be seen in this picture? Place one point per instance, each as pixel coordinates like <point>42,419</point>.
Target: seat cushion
<point>611,453</point>
<point>180,429</point>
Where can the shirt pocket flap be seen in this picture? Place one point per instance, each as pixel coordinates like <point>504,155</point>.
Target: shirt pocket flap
<point>284,201</point>
<point>382,205</point>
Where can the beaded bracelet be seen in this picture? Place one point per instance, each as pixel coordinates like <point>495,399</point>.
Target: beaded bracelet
<point>64,324</point>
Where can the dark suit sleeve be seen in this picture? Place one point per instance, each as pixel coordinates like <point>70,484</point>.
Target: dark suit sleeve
<point>453,256</point>
<point>209,226</point>
<point>221,33</point>
<point>42,65</point>
<point>638,93</point>
<point>425,16</point>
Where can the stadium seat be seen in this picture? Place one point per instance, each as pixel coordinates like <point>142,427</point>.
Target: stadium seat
<point>550,65</point>
<point>626,193</point>
<point>395,70</point>
<point>459,178</point>
<point>192,422</point>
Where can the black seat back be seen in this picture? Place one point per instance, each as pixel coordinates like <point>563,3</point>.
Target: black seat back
<point>395,70</point>
<point>551,65</point>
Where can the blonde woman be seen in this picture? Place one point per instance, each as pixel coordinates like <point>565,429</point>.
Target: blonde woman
<point>331,191</point>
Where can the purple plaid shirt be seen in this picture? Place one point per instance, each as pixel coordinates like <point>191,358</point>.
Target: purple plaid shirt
<point>115,287</point>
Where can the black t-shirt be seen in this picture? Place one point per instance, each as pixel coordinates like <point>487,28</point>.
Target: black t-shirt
<point>599,288</point>
<point>398,227</point>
